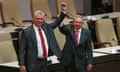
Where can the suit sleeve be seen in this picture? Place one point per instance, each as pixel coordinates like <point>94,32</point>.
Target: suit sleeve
<point>64,29</point>
<point>58,20</point>
<point>21,51</point>
<point>89,49</point>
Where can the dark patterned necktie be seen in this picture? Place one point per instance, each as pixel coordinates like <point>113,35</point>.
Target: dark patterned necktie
<point>76,34</point>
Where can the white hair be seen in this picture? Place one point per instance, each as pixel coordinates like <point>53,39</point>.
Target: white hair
<point>39,12</point>
<point>77,16</point>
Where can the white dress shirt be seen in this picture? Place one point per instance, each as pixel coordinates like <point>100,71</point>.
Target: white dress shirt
<point>39,44</point>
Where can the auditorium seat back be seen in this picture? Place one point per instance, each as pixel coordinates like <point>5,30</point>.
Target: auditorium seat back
<point>7,51</point>
<point>10,12</point>
<point>118,27</point>
<point>43,6</point>
<point>105,32</point>
<point>85,25</point>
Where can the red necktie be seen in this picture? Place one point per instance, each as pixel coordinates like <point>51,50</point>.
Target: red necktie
<point>76,34</point>
<point>43,43</point>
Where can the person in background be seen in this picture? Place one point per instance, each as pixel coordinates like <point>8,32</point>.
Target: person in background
<point>77,52</point>
<point>106,7</point>
<point>36,43</point>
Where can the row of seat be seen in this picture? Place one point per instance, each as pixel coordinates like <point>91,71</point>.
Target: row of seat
<point>107,33</point>
<point>10,11</point>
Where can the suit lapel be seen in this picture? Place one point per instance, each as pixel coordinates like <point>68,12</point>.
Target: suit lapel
<point>46,32</point>
<point>73,35</point>
<point>32,35</point>
<point>82,35</point>
<point>44,29</point>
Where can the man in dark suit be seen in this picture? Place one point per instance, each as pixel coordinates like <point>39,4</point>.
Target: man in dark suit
<point>36,42</point>
<point>77,51</point>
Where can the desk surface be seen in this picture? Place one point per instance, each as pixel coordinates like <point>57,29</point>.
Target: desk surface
<point>99,16</point>
<point>108,50</point>
<point>13,28</point>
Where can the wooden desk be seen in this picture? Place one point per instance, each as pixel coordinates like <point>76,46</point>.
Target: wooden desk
<point>55,66</point>
<point>110,62</point>
<point>108,50</point>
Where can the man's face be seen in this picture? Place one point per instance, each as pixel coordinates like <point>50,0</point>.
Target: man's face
<point>38,20</point>
<point>77,23</point>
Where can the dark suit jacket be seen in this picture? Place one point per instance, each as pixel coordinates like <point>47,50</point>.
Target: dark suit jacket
<point>27,54</point>
<point>80,55</point>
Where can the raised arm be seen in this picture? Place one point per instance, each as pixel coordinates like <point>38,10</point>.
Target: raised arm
<point>60,18</point>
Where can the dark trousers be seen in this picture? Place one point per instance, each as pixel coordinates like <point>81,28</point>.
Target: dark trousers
<point>40,66</point>
<point>71,68</point>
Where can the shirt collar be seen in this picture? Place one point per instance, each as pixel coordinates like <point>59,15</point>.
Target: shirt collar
<point>79,30</point>
<point>35,27</point>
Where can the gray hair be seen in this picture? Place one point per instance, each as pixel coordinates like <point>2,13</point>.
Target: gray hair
<point>39,12</point>
<point>77,16</point>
